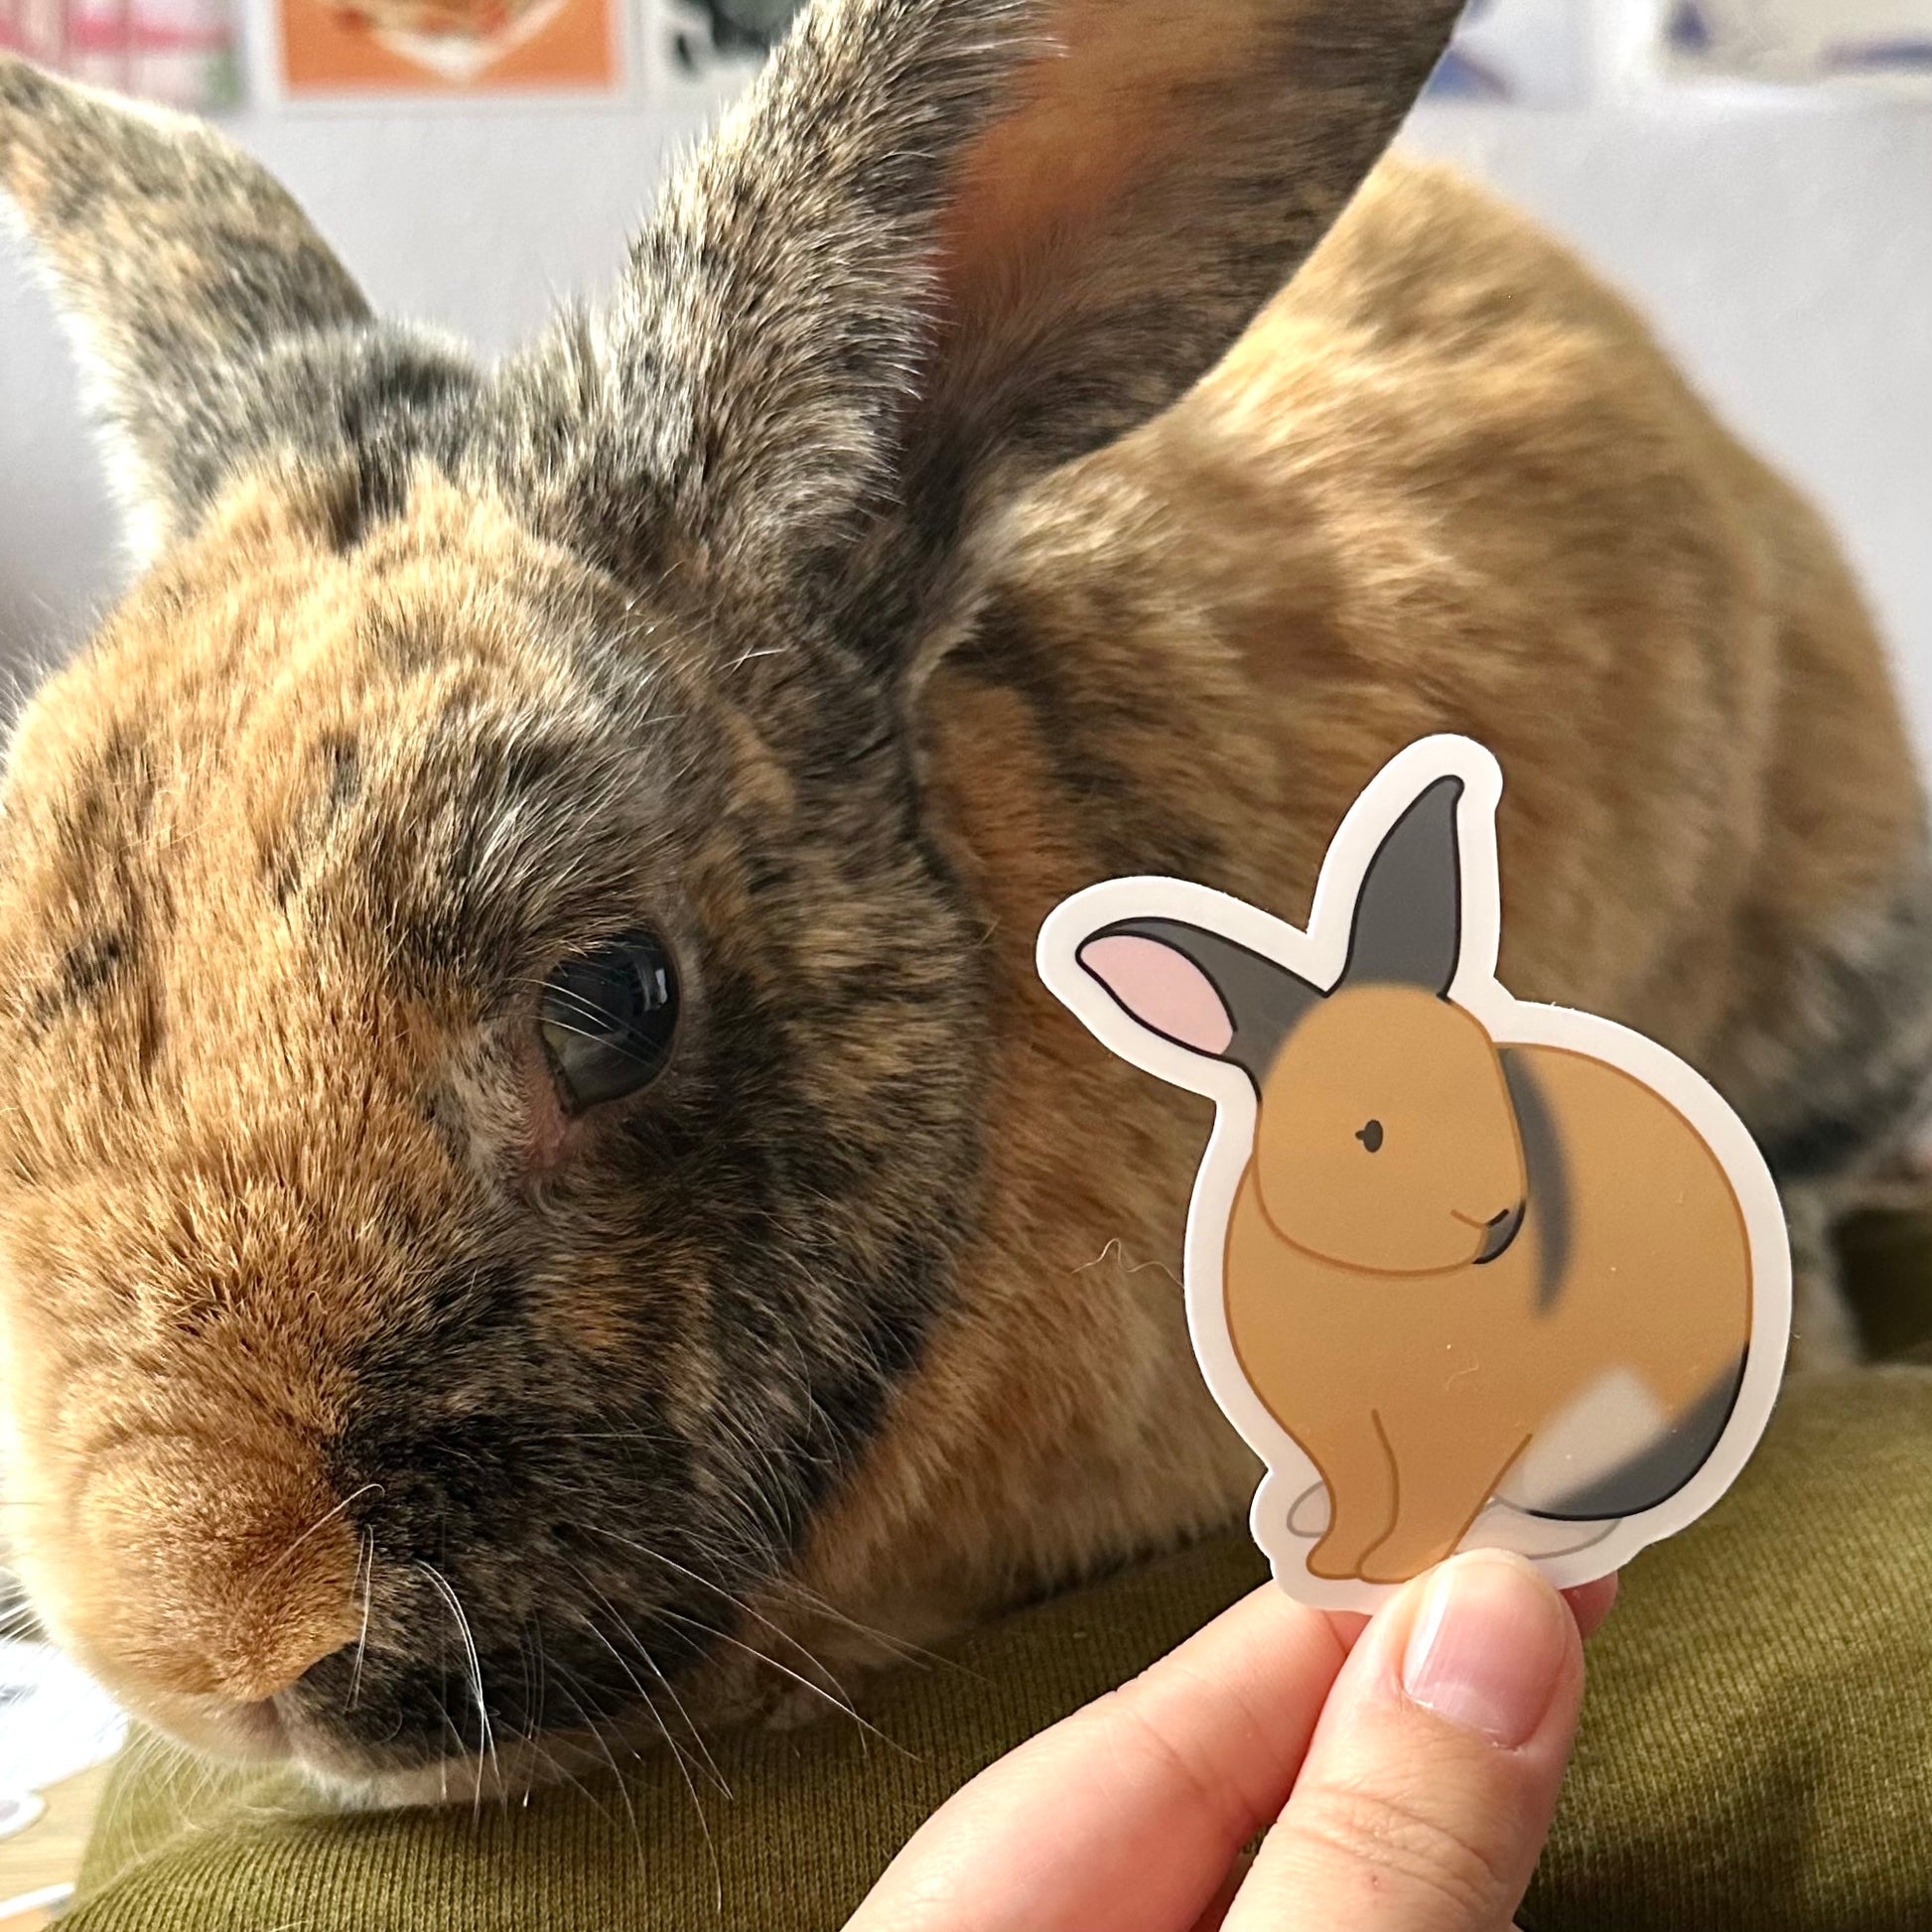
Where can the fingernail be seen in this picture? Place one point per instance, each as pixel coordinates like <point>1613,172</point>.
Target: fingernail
<point>1487,1648</point>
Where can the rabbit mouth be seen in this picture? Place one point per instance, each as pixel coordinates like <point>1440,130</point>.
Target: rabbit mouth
<point>516,1707</point>
<point>1500,1233</point>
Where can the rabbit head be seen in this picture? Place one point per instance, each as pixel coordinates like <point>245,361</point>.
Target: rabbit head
<point>490,1046</point>
<point>1387,1141</point>
<point>1387,1138</point>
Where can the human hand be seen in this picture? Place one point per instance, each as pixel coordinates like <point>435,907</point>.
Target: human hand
<point>1405,1770</point>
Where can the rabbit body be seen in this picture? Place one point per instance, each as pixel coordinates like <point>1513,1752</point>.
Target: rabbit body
<point>1447,483</point>
<point>1415,1393</point>
<point>872,574</point>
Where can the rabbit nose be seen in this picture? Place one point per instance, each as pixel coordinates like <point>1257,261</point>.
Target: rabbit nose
<point>208,1576</point>
<point>255,1672</point>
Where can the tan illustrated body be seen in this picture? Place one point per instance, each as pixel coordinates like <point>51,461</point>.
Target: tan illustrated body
<point>1415,1385</point>
<point>876,570</point>
<point>1466,1258</point>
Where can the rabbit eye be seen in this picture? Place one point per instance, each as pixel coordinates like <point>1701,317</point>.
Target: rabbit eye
<point>608,1019</point>
<point>1371,1136</point>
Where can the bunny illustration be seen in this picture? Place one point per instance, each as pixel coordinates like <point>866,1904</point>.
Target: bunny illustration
<point>539,1181</point>
<point>1470,1249</point>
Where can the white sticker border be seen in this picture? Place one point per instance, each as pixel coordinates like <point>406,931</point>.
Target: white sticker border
<point>1318,957</point>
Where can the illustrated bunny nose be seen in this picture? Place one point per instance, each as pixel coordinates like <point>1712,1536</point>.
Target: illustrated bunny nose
<point>1498,1231</point>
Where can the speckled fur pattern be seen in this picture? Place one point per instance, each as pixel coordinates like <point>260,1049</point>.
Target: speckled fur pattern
<point>872,570</point>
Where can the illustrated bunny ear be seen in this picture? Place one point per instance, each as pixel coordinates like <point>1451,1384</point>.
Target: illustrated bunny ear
<point>1408,928</point>
<point>213,323</point>
<point>946,245</point>
<point>1199,990</point>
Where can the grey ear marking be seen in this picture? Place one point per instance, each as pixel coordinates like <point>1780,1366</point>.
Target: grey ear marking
<point>1218,998</point>
<point>1408,928</point>
<point>179,265</point>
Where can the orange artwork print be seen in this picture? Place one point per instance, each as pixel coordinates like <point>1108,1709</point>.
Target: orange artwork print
<point>458,48</point>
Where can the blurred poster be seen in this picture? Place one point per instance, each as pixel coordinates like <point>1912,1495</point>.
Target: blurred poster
<point>701,53</point>
<point>1880,41</point>
<point>343,49</point>
<point>181,53</point>
<point>1531,52</point>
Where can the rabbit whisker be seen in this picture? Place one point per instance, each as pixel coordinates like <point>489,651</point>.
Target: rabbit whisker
<point>677,1757</point>
<point>589,1724</point>
<point>455,1604</point>
<point>651,1663</point>
<point>321,1522</point>
<point>902,1648</point>
<point>836,1698</point>
<point>544,1671</point>
<point>637,1684</point>
<point>367,1564</point>
<point>671,1689</point>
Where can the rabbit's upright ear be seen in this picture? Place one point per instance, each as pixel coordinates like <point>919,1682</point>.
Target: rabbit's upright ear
<point>1408,928</point>
<point>1199,990</point>
<point>188,278</point>
<point>947,244</point>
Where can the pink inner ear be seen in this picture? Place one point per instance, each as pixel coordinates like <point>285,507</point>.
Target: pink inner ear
<point>1162,989</point>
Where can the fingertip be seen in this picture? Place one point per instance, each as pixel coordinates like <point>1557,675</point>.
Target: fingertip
<point>1488,1647</point>
<point>1591,1604</point>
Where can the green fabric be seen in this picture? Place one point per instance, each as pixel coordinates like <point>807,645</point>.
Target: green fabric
<point>1756,1752</point>
<point>818,1812</point>
<point>1888,1260</point>
<point>1756,1748</point>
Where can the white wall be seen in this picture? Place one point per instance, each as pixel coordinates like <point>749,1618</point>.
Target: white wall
<point>1784,247</point>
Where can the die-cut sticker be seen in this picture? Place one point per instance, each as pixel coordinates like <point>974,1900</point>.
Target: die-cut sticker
<point>1462,1270</point>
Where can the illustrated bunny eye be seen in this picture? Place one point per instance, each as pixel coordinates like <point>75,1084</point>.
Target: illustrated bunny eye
<point>608,1019</point>
<point>1371,1136</point>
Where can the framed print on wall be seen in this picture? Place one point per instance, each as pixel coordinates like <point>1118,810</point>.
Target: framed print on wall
<point>1526,53</point>
<point>179,53</point>
<point>458,51</point>
<point>1883,42</point>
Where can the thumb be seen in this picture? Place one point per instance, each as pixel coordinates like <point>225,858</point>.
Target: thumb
<point>1428,1790</point>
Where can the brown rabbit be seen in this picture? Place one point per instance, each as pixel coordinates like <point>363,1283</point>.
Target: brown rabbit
<point>534,1166</point>
<point>1448,1259</point>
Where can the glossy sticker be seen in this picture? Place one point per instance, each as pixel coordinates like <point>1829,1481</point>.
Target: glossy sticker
<point>1464,1270</point>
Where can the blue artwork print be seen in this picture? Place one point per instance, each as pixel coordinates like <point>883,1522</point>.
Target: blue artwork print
<point>1883,41</point>
<point>730,31</point>
<point>1527,51</point>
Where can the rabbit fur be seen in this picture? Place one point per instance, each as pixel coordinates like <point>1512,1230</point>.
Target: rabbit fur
<point>871,571</point>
